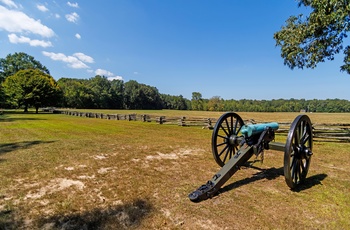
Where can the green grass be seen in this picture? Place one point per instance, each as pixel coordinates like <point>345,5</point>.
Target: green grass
<point>66,172</point>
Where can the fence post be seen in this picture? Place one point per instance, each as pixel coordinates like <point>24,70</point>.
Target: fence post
<point>182,121</point>
<point>210,126</point>
<point>161,120</point>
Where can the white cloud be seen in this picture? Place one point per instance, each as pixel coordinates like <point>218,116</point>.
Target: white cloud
<point>17,22</point>
<point>42,8</point>
<point>110,76</point>
<point>9,3</point>
<point>15,39</point>
<point>103,72</point>
<point>73,17</point>
<point>115,78</point>
<point>75,5</point>
<point>78,36</point>
<point>84,57</point>
<point>72,62</point>
<point>57,16</point>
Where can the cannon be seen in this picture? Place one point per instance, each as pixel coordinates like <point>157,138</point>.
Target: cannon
<point>234,143</point>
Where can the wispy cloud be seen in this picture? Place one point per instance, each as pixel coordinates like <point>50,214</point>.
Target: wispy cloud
<point>73,17</point>
<point>84,57</point>
<point>103,72</point>
<point>115,78</point>
<point>13,38</point>
<point>18,22</point>
<point>110,76</point>
<point>72,61</point>
<point>75,5</point>
<point>9,3</point>
<point>78,36</point>
<point>42,8</point>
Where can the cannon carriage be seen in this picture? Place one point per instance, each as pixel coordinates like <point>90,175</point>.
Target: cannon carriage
<point>234,143</point>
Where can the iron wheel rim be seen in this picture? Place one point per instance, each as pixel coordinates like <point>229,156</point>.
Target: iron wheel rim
<point>225,137</point>
<point>298,150</point>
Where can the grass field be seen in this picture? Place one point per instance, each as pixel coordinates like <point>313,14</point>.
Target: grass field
<point>66,172</point>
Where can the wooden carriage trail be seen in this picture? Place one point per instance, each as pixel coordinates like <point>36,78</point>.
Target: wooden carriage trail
<point>322,132</point>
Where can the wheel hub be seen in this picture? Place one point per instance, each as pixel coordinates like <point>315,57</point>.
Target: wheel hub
<point>232,140</point>
<point>302,152</point>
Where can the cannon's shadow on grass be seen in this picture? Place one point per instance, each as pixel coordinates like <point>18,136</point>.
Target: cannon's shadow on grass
<point>310,182</point>
<point>269,174</point>
<point>126,216</point>
<point>8,147</point>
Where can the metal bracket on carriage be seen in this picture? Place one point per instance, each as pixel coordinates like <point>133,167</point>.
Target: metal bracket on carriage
<point>205,191</point>
<point>265,137</point>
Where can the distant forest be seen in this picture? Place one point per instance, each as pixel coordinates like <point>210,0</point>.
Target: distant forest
<point>25,82</point>
<point>100,93</point>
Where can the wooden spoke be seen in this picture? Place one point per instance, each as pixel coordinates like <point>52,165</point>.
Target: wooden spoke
<point>226,129</point>
<point>296,156</point>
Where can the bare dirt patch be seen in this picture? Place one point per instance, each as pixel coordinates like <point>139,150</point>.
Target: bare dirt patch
<point>174,155</point>
<point>53,186</point>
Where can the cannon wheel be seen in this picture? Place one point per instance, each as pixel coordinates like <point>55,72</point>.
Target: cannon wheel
<point>224,138</point>
<point>298,151</point>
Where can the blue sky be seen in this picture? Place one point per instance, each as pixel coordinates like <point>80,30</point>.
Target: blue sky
<point>218,48</point>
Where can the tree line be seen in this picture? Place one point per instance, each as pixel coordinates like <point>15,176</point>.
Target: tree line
<point>26,83</point>
<point>279,105</point>
<point>100,93</point>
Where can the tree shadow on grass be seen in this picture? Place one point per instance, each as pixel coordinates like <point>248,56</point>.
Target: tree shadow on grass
<point>22,112</point>
<point>8,147</point>
<point>12,119</point>
<point>125,216</point>
<point>7,220</point>
<point>5,117</point>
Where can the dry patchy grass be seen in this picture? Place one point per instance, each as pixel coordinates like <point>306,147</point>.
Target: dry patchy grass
<point>63,172</point>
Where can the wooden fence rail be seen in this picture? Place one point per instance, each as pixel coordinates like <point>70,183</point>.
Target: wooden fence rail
<point>322,132</point>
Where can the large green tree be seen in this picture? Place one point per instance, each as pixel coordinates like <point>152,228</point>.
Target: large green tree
<point>94,93</point>
<point>215,104</point>
<point>197,101</point>
<point>308,40</point>
<point>117,94</point>
<point>174,102</point>
<point>12,64</point>
<point>141,96</point>
<point>76,93</point>
<point>32,87</point>
<point>19,61</point>
<point>107,94</point>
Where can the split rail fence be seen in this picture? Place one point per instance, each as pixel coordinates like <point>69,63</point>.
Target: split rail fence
<point>322,132</point>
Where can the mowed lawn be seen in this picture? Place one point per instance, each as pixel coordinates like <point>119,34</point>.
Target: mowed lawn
<point>66,172</point>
